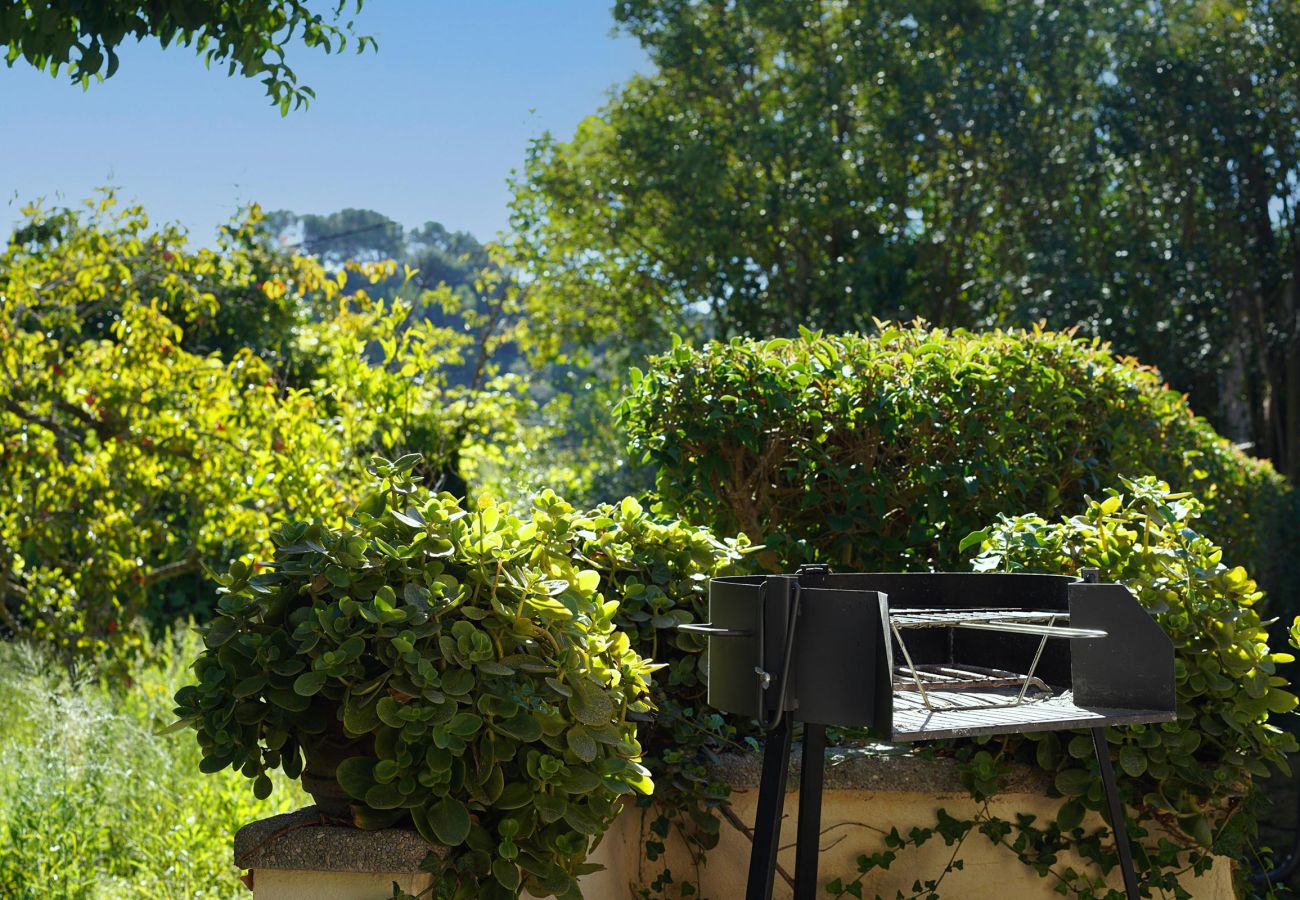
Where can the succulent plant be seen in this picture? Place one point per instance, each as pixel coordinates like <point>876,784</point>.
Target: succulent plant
<point>457,666</point>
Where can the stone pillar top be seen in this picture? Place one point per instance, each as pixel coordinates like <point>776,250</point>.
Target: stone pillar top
<point>306,839</point>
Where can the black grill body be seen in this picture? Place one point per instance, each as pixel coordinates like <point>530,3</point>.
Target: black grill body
<point>922,656</point>
<point>843,658</point>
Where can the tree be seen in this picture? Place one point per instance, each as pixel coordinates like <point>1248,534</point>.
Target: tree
<point>349,234</point>
<point>249,36</point>
<point>1130,170</point>
<point>136,454</point>
<point>454,281</point>
<point>431,261</point>
<point>440,256</point>
<point>454,258</point>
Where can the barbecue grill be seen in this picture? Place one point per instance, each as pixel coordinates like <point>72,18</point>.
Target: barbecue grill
<point>922,656</point>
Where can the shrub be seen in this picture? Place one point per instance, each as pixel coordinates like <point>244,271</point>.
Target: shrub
<point>93,803</point>
<point>1195,773</point>
<point>467,658</point>
<point>882,452</point>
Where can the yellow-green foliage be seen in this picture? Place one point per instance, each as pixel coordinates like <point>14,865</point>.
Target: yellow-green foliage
<point>159,404</point>
<point>94,804</point>
<point>884,451</point>
<point>1195,773</point>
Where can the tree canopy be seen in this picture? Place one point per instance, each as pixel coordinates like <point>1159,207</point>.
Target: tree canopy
<point>151,424</point>
<point>1131,170</point>
<point>248,36</point>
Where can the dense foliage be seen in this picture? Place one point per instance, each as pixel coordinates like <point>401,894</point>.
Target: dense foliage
<point>474,662</point>
<point>1194,774</point>
<point>94,803</point>
<point>430,261</point>
<point>249,36</point>
<point>160,404</point>
<point>883,452</point>
<point>660,572</point>
<point>1129,168</point>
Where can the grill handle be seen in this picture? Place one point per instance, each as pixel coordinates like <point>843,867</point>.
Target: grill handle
<point>708,629</point>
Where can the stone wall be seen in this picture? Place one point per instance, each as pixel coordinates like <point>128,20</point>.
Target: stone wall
<point>294,857</point>
<point>862,798</point>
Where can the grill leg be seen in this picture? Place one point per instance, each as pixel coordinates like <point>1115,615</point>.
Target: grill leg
<point>1117,825</point>
<point>771,802</point>
<point>810,812</point>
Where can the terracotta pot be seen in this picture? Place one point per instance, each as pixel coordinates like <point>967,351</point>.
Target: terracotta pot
<point>322,754</point>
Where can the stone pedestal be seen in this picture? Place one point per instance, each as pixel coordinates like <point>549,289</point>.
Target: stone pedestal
<point>304,856</point>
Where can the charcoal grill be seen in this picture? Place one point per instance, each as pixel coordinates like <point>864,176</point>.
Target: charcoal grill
<point>922,656</point>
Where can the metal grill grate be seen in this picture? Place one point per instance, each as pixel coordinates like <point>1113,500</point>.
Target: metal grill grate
<point>947,687</point>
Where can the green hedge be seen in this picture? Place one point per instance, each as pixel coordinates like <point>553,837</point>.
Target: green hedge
<point>884,451</point>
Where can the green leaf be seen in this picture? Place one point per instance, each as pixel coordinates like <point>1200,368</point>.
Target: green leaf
<point>973,539</point>
<point>1070,815</point>
<point>407,463</point>
<point>249,686</point>
<point>465,724</point>
<point>581,820</point>
<point>309,683</point>
<point>588,580</point>
<point>384,796</point>
<point>389,712</point>
<point>175,727</point>
<point>359,713</point>
<point>506,873</point>
<point>374,504</point>
<point>581,781</point>
<point>409,518</point>
<point>288,700</point>
<point>457,682</point>
<point>420,818</point>
<point>515,795</point>
<point>523,727</point>
<point>354,775</point>
<point>581,743</point>
<point>1132,760</point>
<point>1202,830</point>
<point>220,631</point>
<point>590,704</point>
<point>551,807</point>
<point>213,763</point>
<point>449,821</point>
<point>1074,782</point>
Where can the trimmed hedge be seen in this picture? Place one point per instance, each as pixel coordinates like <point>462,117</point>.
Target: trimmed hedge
<point>884,451</point>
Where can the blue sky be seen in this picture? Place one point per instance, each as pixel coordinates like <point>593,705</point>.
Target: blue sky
<point>428,127</point>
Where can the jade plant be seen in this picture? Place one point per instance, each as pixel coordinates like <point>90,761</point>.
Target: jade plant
<point>460,668</point>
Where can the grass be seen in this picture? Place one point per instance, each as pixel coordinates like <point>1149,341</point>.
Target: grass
<point>94,803</point>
